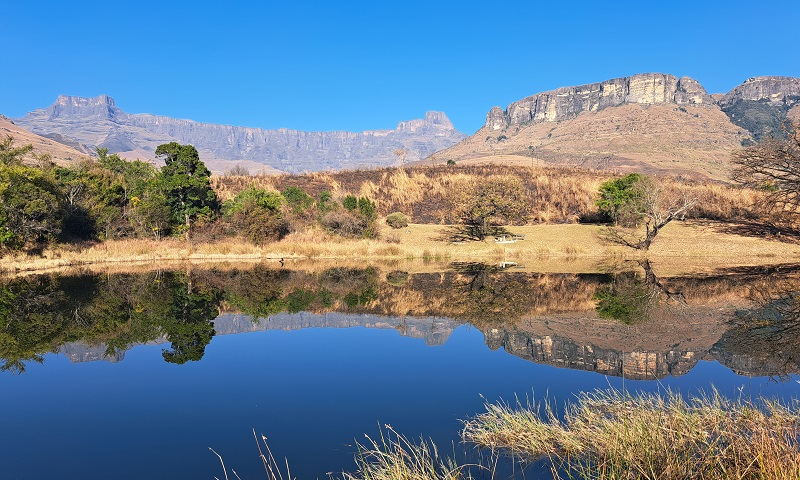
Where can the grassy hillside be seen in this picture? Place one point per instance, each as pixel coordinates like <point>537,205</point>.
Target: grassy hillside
<point>556,194</point>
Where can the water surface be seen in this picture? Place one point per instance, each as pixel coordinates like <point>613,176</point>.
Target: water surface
<point>135,375</point>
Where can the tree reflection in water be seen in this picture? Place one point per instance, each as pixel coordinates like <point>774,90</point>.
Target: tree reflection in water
<point>600,322</point>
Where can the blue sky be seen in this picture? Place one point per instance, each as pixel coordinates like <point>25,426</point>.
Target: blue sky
<point>365,65</point>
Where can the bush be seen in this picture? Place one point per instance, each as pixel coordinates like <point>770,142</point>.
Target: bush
<point>397,220</point>
<point>31,213</point>
<point>255,214</point>
<point>297,199</point>
<point>348,224</point>
<point>350,203</point>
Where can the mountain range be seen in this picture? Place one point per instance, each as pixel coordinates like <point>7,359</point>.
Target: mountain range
<point>88,123</point>
<point>650,122</point>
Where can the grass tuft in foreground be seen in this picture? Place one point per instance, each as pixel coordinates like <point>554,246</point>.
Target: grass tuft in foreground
<point>395,457</point>
<point>614,435</point>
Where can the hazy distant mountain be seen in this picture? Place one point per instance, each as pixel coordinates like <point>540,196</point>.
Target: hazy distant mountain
<point>98,122</point>
<point>649,122</point>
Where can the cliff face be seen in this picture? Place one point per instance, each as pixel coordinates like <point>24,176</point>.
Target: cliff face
<point>99,122</point>
<point>762,105</point>
<point>652,123</point>
<point>568,102</point>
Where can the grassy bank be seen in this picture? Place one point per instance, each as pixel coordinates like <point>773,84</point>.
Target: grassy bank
<point>616,435</point>
<point>604,435</point>
<point>700,244</point>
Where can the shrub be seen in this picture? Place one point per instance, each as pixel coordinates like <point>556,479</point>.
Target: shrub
<point>325,202</point>
<point>350,202</point>
<point>397,220</point>
<point>366,208</point>
<point>348,224</point>
<point>297,199</point>
<point>255,213</point>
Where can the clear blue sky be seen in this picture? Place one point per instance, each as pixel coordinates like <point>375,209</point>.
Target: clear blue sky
<point>365,65</point>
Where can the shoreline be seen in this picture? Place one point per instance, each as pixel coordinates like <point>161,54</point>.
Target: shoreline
<point>698,246</point>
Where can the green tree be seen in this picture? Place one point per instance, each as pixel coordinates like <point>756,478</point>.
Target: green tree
<point>31,208</point>
<point>151,213</point>
<point>187,185</point>
<point>11,155</point>
<point>190,326</point>
<point>94,200</point>
<point>619,199</point>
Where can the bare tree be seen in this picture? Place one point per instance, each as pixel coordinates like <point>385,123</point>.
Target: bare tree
<point>401,153</point>
<point>484,205</point>
<point>654,208</point>
<point>773,166</point>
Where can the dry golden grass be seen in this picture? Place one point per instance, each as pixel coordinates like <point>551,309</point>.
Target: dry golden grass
<point>616,435</point>
<point>557,195</point>
<point>680,244</point>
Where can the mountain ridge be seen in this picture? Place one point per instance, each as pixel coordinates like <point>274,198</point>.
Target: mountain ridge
<point>650,122</point>
<point>99,122</point>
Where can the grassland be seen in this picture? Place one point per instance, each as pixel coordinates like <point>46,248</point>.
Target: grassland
<point>686,246</point>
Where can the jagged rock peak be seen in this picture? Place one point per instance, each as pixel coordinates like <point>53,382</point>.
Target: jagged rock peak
<point>568,102</point>
<point>75,101</point>
<point>438,120</point>
<point>101,105</point>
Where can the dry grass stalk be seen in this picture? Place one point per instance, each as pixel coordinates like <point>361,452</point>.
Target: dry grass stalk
<point>616,435</point>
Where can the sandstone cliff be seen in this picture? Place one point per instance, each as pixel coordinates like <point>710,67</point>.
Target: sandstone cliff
<point>98,122</point>
<point>652,122</point>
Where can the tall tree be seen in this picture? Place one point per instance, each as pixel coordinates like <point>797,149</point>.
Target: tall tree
<point>187,184</point>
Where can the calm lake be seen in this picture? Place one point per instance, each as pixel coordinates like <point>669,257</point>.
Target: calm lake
<point>135,375</point>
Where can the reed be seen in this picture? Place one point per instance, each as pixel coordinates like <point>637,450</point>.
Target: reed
<point>610,434</point>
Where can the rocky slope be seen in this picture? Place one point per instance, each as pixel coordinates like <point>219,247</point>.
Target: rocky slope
<point>58,151</point>
<point>98,122</point>
<point>651,122</point>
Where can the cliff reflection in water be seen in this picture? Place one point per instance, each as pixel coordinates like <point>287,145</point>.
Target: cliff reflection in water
<point>632,324</point>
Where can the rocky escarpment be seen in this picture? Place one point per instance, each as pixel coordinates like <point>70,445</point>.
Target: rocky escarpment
<point>653,123</point>
<point>762,105</point>
<point>568,102</point>
<point>99,122</point>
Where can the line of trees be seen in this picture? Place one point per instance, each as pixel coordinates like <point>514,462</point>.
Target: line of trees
<point>110,197</point>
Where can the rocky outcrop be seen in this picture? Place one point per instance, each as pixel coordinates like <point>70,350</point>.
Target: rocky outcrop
<point>762,105</point>
<point>568,102</point>
<point>775,90</point>
<point>98,122</point>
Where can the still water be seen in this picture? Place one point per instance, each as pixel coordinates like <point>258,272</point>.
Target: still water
<point>135,375</point>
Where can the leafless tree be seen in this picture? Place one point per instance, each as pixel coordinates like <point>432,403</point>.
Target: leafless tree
<point>773,165</point>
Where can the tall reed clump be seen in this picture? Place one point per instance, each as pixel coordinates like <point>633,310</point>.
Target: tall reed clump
<point>390,457</point>
<point>615,435</point>
<point>395,457</point>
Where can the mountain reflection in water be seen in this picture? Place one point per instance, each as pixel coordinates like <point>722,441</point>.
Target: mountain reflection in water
<point>631,324</point>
